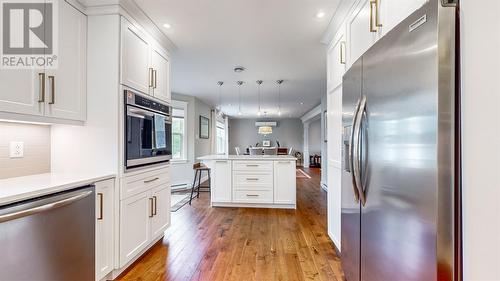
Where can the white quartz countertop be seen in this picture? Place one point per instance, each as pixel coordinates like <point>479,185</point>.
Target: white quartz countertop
<point>247,157</point>
<point>22,188</point>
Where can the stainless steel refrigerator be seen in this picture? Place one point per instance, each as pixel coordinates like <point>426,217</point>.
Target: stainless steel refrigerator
<point>400,179</point>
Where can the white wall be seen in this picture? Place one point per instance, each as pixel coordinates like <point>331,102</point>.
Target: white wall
<point>324,145</point>
<point>315,137</point>
<point>182,171</point>
<point>481,139</point>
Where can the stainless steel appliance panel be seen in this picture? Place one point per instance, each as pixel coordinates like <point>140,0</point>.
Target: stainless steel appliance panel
<point>49,238</point>
<point>350,217</point>
<point>398,152</point>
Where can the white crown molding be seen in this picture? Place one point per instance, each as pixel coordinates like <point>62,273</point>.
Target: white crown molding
<point>337,19</point>
<point>132,12</point>
<point>312,115</point>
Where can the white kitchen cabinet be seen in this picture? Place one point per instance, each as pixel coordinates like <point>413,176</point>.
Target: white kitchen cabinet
<point>362,31</point>
<point>284,184</point>
<point>393,12</point>
<point>135,56</point>
<point>221,181</point>
<point>161,215</point>
<point>135,214</point>
<point>66,85</point>
<point>160,63</point>
<point>59,93</point>
<point>145,66</point>
<point>104,241</point>
<point>337,59</point>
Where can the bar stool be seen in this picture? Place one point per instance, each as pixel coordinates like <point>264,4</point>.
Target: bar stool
<point>199,168</point>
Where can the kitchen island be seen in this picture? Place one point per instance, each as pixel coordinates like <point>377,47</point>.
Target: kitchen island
<point>255,181</point>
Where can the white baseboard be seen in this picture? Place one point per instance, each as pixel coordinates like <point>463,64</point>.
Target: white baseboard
<point>188,185</point>
<point>335,241</point>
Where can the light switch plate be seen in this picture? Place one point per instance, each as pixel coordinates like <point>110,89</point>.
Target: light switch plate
<point>16,149</point>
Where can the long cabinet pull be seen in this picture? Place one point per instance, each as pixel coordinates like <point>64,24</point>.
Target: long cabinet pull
<point>151,83</point>
<point>52,80</point>
<point>41,80</point>
<point>151,180</point>
<point>252,195</point>
<point>151,211</point>
<point>373,6</point>
<point>252,179</point>
<point>342,52</point>
<point>377,16</point>
<point>101,200</point>
<point>252,165</point>
<point>155,84</point>
<point>155,200</point>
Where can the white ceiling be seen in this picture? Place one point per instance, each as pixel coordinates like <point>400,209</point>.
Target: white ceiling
<point>273,39</point>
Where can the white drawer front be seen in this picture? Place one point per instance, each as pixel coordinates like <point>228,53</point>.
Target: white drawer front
<point>253,196</point>
<point>136,184</point>
<point>253,180</point>
<point>253,166</point>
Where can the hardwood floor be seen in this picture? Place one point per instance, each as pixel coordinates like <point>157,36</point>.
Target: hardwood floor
<point>206,243</point>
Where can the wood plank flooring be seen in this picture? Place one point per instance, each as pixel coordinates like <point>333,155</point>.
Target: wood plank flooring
<point>206,243</point>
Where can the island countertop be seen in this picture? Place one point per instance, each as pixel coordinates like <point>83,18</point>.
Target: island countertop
<point>248,157</point>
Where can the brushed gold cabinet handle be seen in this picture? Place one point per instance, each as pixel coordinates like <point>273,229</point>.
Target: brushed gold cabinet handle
<point>52,80</point>
<point>155,202</point>
<point>41,79</point>
<point>101,200</point>
<point>151,77</point>
<point>151,180</point>
<point>252,195</point>
<point>151,212</point>
<point>377,16</point>
<point>342,52</point>
<point>154,79</point>
<point>372,5</point>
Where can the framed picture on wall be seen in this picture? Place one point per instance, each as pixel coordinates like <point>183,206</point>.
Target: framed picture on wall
<point>266,143</point>
<point>204,129</point>
<point>325,126</point>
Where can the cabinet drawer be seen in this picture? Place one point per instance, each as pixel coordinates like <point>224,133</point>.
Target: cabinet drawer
<point>253,166</point>
<point>262,180</point>
<point>253,196</point>
<point>136,184</point>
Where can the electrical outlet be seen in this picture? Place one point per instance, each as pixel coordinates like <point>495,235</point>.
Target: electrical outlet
<point>16,149</point>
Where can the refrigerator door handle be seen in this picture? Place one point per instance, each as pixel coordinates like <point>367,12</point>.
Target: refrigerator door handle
<point>351,151</point>
<point>357,149</point>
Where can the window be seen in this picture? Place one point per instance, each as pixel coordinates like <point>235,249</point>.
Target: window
<point>179,141</point>
<point>221,138</point>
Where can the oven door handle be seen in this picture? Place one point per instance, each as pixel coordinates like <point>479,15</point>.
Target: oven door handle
<point>138,113</point>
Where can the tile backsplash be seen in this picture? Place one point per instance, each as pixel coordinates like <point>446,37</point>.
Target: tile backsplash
<point>36,139</point>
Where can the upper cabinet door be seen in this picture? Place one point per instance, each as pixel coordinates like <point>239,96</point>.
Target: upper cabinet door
<point>337,59</point>
<point>362,31</point>
<point>66,85</point>
<point>160,63</point>
<point>135,69</point>
<point>393,12</point>
<point>21,91</point>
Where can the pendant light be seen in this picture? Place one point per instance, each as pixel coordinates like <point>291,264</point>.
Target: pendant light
<point>220,83</point>
<point>259,82</point>
<point>239,96</point>
<point>279,95</point>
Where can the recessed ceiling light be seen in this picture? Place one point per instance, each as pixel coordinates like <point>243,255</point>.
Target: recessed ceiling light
<point>167,26</point>
<point>301,103</point>
<point>320,14</point>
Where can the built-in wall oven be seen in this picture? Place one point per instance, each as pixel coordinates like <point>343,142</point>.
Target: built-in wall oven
<point>148,130</point>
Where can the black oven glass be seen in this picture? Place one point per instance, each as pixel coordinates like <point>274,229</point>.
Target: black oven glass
<point>148,134</point>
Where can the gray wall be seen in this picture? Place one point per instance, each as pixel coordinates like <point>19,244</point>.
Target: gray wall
<point>201,146</point>
<point>315,137</point>
<point>242,133</point>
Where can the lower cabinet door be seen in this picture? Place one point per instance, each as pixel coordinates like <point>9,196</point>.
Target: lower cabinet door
<point>104,228</point>
<point>161,211</point>
<point>221,184</point>
<point>135,213</point>
<point>284,182</point>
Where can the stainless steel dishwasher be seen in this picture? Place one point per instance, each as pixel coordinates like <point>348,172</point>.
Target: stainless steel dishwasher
<point>49,238</point>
